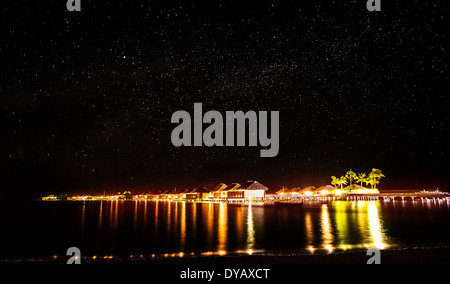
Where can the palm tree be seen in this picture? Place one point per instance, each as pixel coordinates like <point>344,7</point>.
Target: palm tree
<point>334,181</point>
<point>351,175</point>
<point>362,177</point>
<point>342,181</point>
<point>375,177</point>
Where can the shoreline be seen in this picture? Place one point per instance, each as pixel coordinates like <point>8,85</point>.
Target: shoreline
<point>414,255</point>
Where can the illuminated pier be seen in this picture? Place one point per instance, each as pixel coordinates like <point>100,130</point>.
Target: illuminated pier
<point>425,196</point>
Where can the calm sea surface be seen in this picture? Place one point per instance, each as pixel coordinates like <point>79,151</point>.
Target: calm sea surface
<point>146,229</point>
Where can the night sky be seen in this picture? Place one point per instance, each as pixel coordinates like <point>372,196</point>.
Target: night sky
<point>86,98</point>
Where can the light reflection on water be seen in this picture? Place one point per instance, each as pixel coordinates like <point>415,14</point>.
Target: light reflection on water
<point>176,229</point>
<point>250,230</point>
<point>182,228</point>
<point>222,227</point>
<point>326,230</point>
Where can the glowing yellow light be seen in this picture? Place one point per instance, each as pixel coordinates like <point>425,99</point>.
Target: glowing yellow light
<point>375,227</point>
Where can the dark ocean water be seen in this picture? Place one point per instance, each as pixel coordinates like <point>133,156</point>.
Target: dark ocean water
<point>128,229</point>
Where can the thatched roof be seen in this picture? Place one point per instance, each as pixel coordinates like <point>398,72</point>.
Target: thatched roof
<point>253,185</point>
<point>309,188</point>
<point>325,188</point>
<point>233,186</point>
<point>283,190</point>
<point>294,190</point>
<point>354,187</point>
<point>220,187</point>
<point>192,190</point>
<point>202,190</point>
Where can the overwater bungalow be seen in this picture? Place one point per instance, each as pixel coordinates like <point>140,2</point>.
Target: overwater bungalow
<point>182,195</point>
<point>307,190</point>
<point>204,193</point>
<point>250,191</point>
<point>294,191</point>
<point>282,191</point>
<point>324,190</point>
<point>190,195</point>
<point>223,194</point>
<point>220,192</point>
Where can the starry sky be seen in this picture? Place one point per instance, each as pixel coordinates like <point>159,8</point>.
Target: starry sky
<point>86,97</point>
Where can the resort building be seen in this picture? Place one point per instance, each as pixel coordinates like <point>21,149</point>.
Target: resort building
<point>191,195</point>
<point>308,190</point>
<point>282,191</point>
<point>220,192</point>
<point>250,191</point>
<point>294,191</point>
<point>324,190</point>
<point>355,188</point>
<point>204,193</point>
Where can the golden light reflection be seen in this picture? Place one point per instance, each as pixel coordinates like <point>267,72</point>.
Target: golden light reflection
<point>83,218</point>
<point>366,222</point>
<point>145,215</point>
<point>111,216</point>
<point>156,214</point>
<point>250,230</point>
<point>169,219</point>
<point>194,219</point>
<point>210,221</point>
<point>378,238</point>
<point>239,224</point>
<point>183,224</point>
<point>135,217</point>
<point>176,211</point>
<point>309,230</point>
<point>116,216</point>
<point>327,231</point>
<point>223,227</point>
<point>100,218</point>
<point>342,227</point>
